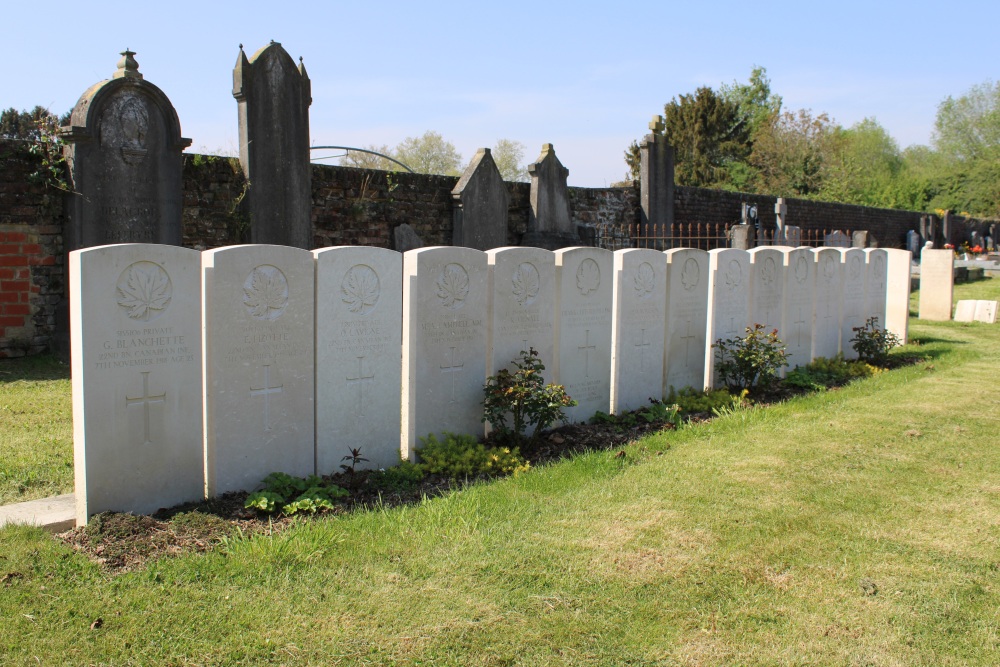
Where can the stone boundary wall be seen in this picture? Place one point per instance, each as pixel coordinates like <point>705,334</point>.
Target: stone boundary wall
<point>350,207</point>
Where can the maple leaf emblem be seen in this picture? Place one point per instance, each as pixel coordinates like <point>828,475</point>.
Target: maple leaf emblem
<point>645,280</point>
<point>768,272</point>
<point>453,286</point>
<point>801,269</point>
<point>360,289</point>
<point>526,282</point>
<point>265,292</point>
<point>588,276</point>
<point>690,274</point>
<point>144,292</point>
<point>855,268</point>
<point>734,275</point>
<point>828,269</point>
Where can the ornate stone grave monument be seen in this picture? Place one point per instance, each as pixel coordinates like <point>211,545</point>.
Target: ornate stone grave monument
<point>135,312</point>
<point>687,313</point>
<point>583,328</point>
<point>259,365</point>
<point>480,202</point>
<point>829,282</point>
<point>656,183</point>
<point>444,343</point>
<point>359,310</point>
<point>123,152</point>
<point>273,96</point>
<point>728,302</point>
<point>550,224</point>
<point>638,330</point>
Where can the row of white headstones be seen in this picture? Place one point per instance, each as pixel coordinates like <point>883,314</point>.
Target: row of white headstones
<point>199,373</point>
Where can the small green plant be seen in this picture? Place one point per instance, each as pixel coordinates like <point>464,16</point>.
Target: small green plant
<point>523,398</point>
<point>692,402</point>
<point>737,404</point>
<point>459,455</point>
<point>351,468</point>
<point>660,412</point>
<point>751,362</point>
<point>48,147</point>
<point>401,478</point>
<point>822,373</point>
<point>290,495</point>
<point>873,343</point>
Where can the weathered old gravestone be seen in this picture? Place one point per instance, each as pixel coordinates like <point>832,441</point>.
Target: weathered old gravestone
<point>742,237</point>
<point>798,314</point>
<point>728,302</point>
<point>829,283</point>
<point>480,201</point>
<point>444,343</point>
<point>937,284</point>
<point>137,414</point>
<point>793,236</point>
<point>550,224</point>
<point>405,238</point>
<point>359,309</point>
<point>897,292</point>
<point>913,242</point>
<point>656,182</point>
<point>877,260</point>
<point>837,239</point>
<point>638,329</point>
<point>259,364</point>
<point>853,304</point>
<point>687,312</point>
<point>863,239</point>
<point>273,96</point>
<point>521,304</point>
<point>123,149</point>
<point>780,214</point>
<point>767,288</point>
<point>583,328</point>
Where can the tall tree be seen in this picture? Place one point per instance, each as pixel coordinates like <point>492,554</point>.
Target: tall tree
<point>508,155</point>
<point>30,125</point>
<point>968,128</point>
<point>707,136</point>
<point>789,154</point>
<point>429,154</point>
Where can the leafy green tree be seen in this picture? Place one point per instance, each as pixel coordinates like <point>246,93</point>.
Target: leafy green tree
<point>508,156</point>
<point>369,161</point>
<point>789,154</point>
<point>429,154</point>
<point>707,136</point>
<point>29,125</point>
<point>968,128</point>
<point>862,165</point>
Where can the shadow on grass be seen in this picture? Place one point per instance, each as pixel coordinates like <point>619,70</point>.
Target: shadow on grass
<point>34,368</point>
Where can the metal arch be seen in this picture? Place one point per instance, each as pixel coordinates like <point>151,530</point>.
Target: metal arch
<point>362,150</point>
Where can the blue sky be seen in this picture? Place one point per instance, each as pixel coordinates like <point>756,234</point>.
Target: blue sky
<point>583,76</point>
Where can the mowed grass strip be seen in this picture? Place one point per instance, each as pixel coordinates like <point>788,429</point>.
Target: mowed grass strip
<point>853,527</point>
<point>36,429</point>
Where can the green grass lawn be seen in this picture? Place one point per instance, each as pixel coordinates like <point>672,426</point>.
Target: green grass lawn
<point>852,527</point>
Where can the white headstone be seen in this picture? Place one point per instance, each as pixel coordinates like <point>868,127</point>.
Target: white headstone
<point>829,282</point>
<point>767,286</point>
<point>444,343</point>
<point>259,364</point>
<point>965,310</point>
<point>687,313</point>
<point>583,329</point>
<point>986,311</point>
<point>897,292</point>
<point>640,301</point>
<point>359,310</point>
<point>522,297</point>
<point>135,327</point>
<point>853,305</point>
<point>937,283</point>
<point>728,302</point>
<point>798,317</point>
<point>877,260</point>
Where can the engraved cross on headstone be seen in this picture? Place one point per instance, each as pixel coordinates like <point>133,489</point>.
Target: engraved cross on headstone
<point>361,380</point>
<point>266,392</point>
<point>641,346</point>
<point>453,368</point>
<point>798,329</point>
<point>145,401</point>
<point>586,347</point>
<point>687,344</point>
